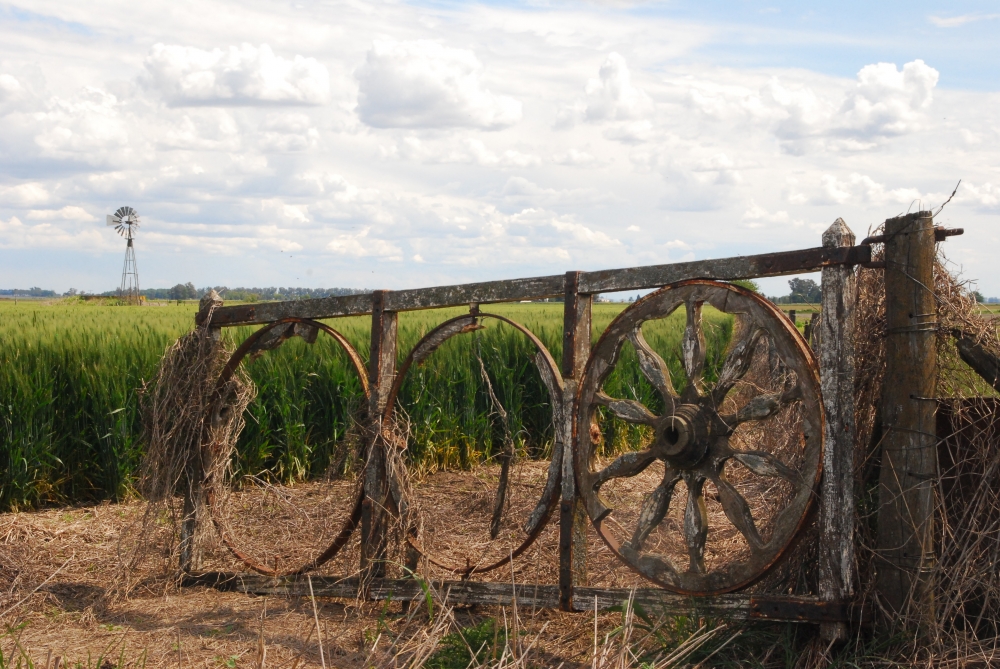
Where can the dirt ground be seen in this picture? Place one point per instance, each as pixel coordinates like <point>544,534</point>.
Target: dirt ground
<point>63,594</point>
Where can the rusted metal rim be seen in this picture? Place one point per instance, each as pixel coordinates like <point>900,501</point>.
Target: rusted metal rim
<point>352,521</point>
<point>794,352</point>
<point>551,377</point>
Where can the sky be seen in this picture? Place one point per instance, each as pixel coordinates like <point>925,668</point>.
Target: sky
<point>406,144</point>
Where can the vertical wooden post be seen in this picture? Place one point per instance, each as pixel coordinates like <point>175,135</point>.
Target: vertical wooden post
<point>909,445</point>
<point>836,365</point>
<point>381,371</point>
<point>814,337</point>
<point>194,471</point>
<point>572,515</point>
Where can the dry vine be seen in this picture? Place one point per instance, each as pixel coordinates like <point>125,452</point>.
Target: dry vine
<point>191,428</point>
<point>964,629</point>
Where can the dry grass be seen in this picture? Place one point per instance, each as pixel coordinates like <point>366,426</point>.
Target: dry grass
<point>964,630</point>
<point>76,615</point>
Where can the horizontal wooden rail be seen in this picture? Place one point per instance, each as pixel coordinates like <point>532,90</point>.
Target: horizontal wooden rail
<point>737,606</point>
<point>514,290</point>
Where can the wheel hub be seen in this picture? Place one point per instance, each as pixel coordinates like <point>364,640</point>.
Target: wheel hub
<point>682,437</point>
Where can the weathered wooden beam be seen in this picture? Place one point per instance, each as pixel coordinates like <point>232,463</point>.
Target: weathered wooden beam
<point>731,606</point>
<point>573,521</point>
<point>726,269</point>
<point>481,293</point>
<point>909,447</point>
<point>381,374</point>
<point>605,281</point>
<point>982,362</point>
<point>836,369</point>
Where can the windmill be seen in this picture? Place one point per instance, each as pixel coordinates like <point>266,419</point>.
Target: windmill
<point>126,222</point>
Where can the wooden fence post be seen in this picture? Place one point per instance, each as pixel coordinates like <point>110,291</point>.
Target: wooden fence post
<point>194,473</point>
<point>573,519</point>
<point>909,444</point>
<point>836,365</point>
<point>381,372</point>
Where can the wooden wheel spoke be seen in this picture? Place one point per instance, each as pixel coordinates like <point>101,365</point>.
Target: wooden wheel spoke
<point>696,522</point>
<point>765,464</point>
<point>624,466</point>
<point>763,407</point>
<point>654,509</point>
<point>693,352</point>
<point>652,366</point>
<point>628,410</point>
<point>738,512</point>
<point>738,358</point>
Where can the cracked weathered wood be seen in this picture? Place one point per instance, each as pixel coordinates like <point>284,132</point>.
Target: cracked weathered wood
<point>513,290</point>
<point>909,454</point>
<point>573,521</point>
<point>982,362</point>
<point>731,607</point>
<point>381,374</point>
<point>836,370</point>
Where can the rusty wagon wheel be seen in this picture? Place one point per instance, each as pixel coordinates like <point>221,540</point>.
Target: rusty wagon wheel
<point>747,445</point>
<point>535,520</point>
<point>251,547</point>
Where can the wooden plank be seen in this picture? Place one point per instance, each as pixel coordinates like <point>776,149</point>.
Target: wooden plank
<point>909,454</point>
<point>511,290</point>
<point>573,520</point>
<point>381,374</point>
<point>527,595</point>
<point>836,370</point>
<point>268,312</point>
<point>726,269</point>
<point>982,362</point>
<point>633,278</point>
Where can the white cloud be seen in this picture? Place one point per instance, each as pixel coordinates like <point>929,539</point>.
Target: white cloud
<point>67,213</point>
<point>575,158</point>
<point>89,127</point>
<point>288,132</point>
<point>888,101</point>
<point>611,96</point>
<point>14,234</point>
<point>757,216</point>
<point>422,84</point>
<point>467,151</point>
<point>238,75</point>
<point>14,95</point>
<point>960,20</point>
<point>24,195</point>
<point>860,188</point>
<point>884,102</point>
<point>360,245</point>
<point>985,195</point>
<point>202,130</point>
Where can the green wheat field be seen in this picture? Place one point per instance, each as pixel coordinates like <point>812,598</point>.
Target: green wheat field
<point>70,374</point>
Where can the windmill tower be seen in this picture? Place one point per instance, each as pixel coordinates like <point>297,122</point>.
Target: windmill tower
<point>126,222</point>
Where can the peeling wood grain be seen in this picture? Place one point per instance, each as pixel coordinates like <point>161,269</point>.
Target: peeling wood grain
<point>984,363</point>
<point>730,607</point>
<point>632,278</point>
<point>836,365</point>
<point>908,474</point>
